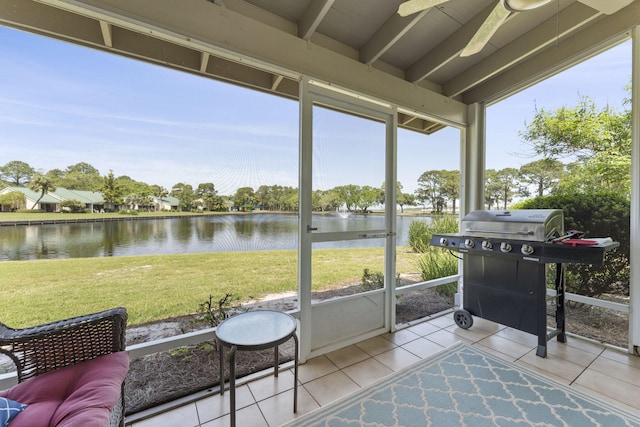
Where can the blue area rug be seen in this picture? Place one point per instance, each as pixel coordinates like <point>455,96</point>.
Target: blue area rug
<point>464,386</point>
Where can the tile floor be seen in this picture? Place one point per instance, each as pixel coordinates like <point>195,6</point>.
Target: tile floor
<point>605,373</point>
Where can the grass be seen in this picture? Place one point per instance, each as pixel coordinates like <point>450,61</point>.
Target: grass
<point>154,287</point>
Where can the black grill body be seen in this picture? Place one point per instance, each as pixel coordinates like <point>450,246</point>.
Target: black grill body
<point>504,273</point>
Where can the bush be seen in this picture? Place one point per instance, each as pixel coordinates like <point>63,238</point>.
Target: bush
<point>602,214</point>
<point>28,211</point>
<point>73,205</point>
<point>436,263</point>
<point>420,232</point>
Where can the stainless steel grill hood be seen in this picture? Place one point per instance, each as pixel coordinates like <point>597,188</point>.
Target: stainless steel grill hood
<point>537,225</point>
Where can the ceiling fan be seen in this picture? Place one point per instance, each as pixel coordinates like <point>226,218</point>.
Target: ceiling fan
<point>500,13</point>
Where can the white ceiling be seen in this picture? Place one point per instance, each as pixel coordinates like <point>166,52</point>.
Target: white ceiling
<point>361,45</point>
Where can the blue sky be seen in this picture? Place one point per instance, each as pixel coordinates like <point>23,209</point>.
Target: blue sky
<point>61,104</point>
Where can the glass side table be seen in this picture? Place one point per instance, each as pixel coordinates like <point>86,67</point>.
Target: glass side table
<point>253,331</point>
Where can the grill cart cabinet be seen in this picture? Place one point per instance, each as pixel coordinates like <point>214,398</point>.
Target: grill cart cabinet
<point>506,255</point>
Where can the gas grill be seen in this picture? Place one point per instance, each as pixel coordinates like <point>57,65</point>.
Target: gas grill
<point>506,256</point>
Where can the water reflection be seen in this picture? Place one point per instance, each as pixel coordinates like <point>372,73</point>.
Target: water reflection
<point>221,233</point>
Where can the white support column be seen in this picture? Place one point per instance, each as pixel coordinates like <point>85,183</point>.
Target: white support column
<point>304,219</point>
<point>391,198</point>
<point>634,285</point>
<point>472,160</point>
<point>472,166</point>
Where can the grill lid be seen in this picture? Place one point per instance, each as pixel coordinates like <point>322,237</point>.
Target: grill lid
<point>539,225</point>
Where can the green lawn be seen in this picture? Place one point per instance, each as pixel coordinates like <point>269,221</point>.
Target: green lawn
<point>156,287</point>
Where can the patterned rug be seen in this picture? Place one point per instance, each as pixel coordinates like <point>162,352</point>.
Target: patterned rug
<point>464,386</point>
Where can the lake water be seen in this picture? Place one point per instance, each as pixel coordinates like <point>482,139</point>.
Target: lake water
<point>219,233</point>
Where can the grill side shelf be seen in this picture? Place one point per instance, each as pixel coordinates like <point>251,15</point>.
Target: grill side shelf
<point>544,253</point>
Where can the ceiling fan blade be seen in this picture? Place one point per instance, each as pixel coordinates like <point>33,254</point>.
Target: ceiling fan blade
<point>488,28</point>
<point>412,6</point>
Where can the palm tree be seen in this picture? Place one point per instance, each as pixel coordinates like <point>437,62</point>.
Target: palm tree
<point>42,184</point>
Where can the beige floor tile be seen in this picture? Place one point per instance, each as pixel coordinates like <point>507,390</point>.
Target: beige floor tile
<point>424,328</point>
<point>315,368</point>
<point>619,370</point>
<point>184,416</point>
<point>622,357</point>
<point>607,385</point>
<point>375,345</point>
<point>445,338</point>
<point>486,325</point>
<point>552,366</point>
<point>472,334</point>
<point>524,338</point>
<point>397,358</point>
<point>216,406</point>
<point>347,356</point>
<point>422,347</point>
<point>367,372</point>
<point>513,349</point>
<point>277,410</point>
<point>401,337</point>
<point>443,321</point>
<point>331,387</point>
<point>249,416</point>
<point>634,410</point>
<point>571,354</point>
<point>582,344</point>
<point>268,386</point>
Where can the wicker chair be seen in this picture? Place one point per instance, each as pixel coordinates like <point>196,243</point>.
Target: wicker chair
<point>52,346</point>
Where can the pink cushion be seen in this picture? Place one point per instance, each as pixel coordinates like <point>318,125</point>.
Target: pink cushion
<point>78,395</point>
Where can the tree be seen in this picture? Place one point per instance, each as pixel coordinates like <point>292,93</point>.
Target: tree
<point>209,195</point>
<point>348,195</point>
<point>405,199</point>
<point>367,197</point>
<point>244,199</point>
<point>17,173</point>
<point>111,191</point>
<point>544,174</point>
<point>42,184</point>
<point>81,176</point>
<point>185,194</point>
<point>501,186</point>
<point>450,188</point>
<point>14,199</point>
<point>598,141</point>
<point>435,187</point>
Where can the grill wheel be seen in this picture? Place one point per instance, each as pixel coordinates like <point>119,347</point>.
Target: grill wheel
<point>463,319</point>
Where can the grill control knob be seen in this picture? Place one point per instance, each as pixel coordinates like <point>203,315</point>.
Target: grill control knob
<point>505,247</point>
<point>487,245</point>
<point>444,241</point>
<point>469,243</point>
<point>527,249</point>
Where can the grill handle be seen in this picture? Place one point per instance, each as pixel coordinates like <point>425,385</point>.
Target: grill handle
<point>521,233</point>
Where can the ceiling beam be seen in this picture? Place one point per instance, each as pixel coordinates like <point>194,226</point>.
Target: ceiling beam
<point>388,35</point>
<point>312,18</point>
<point>206,27</point>
<point>582,45</point>
<point>539,38</point>
<point>107,35</point>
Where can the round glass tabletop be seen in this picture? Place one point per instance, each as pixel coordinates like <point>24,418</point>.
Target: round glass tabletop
<point>256,328</point>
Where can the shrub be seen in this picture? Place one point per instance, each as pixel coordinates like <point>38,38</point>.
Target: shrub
<point>374,280</point>
<point>73,205</point>
<point>602,214</point>
<point>436,263</point>
<point>420,232</point>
